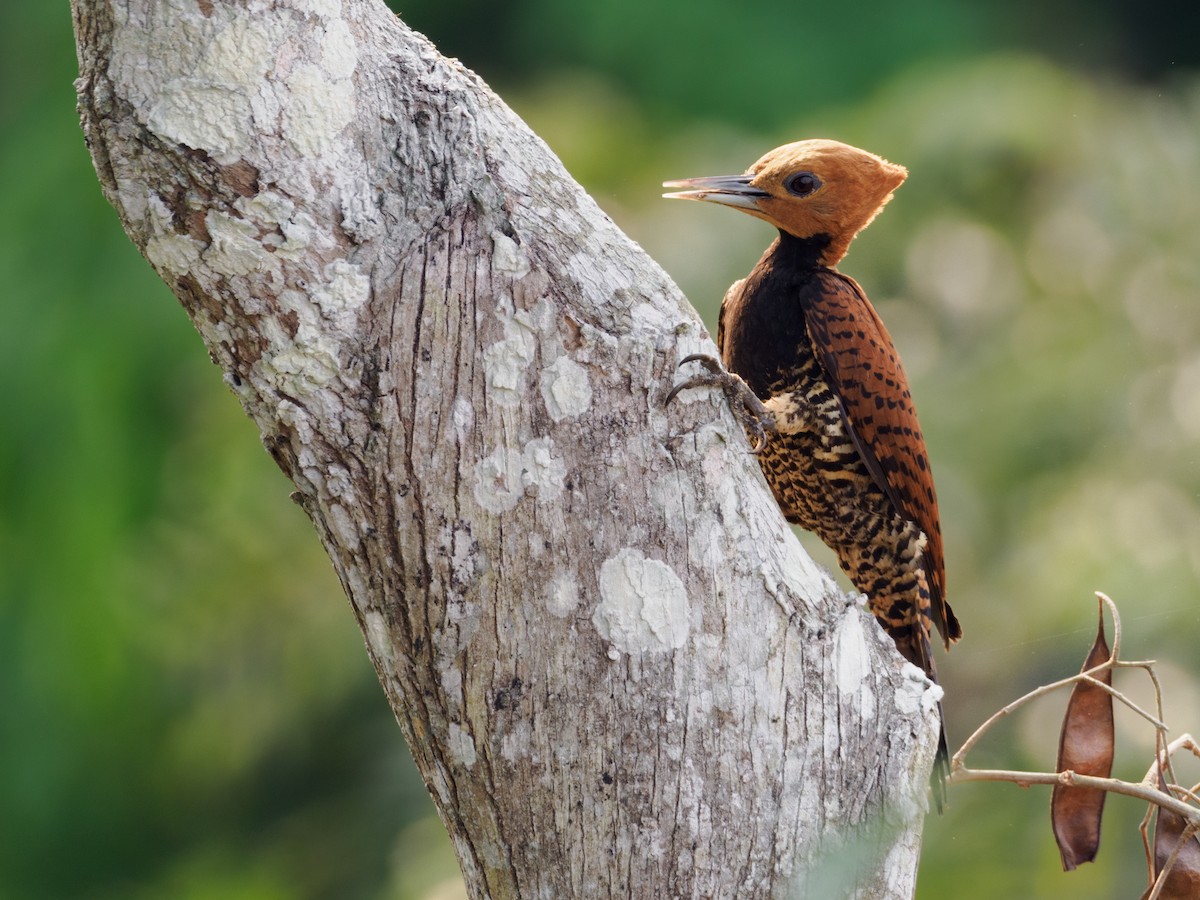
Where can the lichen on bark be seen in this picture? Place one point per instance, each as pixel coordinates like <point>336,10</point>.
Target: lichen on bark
<point>616,668</point>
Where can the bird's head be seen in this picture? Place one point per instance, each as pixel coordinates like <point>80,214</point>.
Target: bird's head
<point>809,189</point>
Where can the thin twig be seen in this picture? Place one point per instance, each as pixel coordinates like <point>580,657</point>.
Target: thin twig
<point>1083,676</point>
<point>1008,710</point>
<point>1115,653</point>
<point>1160,735</point>
<point>1144,828</point>
<point>1074,779</point>
<point>1184,792</point>
<point>1165,755</point>
<point>1089,676</point>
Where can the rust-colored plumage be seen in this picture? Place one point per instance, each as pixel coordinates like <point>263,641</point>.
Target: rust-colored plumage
<point>815,376</point>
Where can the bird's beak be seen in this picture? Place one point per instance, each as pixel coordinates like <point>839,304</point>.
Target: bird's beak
<point>728,190</point>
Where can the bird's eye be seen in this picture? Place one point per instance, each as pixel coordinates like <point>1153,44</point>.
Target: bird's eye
<point>802,184</point>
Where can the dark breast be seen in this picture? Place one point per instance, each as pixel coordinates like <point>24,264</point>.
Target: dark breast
<point>763,332</point>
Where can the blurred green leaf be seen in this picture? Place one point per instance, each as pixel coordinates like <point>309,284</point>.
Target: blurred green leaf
<point>188,710</point>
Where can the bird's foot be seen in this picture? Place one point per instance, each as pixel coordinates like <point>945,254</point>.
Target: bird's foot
<point>754,417</point>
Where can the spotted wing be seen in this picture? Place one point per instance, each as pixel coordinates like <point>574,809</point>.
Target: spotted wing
<point>864,371</point>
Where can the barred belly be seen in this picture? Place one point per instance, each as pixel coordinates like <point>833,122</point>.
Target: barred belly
<point>823,485</point>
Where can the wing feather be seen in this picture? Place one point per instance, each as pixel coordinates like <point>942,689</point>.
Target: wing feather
<point>864,371</point>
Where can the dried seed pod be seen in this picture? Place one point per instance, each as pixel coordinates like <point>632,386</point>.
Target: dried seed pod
<point>1085,747</point>
<point>1183,879</point>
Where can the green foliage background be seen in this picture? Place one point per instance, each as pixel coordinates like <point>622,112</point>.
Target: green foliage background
<point>186,707</point>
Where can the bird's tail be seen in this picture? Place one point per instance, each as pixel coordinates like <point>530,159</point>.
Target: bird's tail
<point>914,645</point>
<point>941,766</point>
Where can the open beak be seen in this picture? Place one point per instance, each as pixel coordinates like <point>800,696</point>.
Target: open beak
<point>728,190</point>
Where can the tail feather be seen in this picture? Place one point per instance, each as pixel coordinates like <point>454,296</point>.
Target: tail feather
<point>914,645</point>
<point>941,766</point>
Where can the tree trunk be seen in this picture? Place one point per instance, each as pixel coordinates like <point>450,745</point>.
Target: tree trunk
<point>618,672</point>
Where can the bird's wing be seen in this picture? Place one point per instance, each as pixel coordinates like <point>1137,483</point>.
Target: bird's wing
<point>864,371</point>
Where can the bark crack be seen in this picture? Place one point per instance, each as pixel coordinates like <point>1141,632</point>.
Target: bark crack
<point>410,266</point>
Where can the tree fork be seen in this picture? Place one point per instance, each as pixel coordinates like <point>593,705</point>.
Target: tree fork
<point>617,670</point>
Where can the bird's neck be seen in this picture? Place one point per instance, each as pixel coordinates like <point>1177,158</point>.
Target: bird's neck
<point>802,253</point>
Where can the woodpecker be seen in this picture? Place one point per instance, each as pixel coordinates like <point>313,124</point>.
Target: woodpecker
<point>812,373</point>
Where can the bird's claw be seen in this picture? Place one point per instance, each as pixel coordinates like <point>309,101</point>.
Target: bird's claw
<point>713,378</point>
<point>754,417</point>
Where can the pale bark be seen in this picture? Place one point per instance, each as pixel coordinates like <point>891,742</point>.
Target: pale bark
<point>618,672</point>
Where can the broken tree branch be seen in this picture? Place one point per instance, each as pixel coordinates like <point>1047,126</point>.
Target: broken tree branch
<point>613,663</point>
